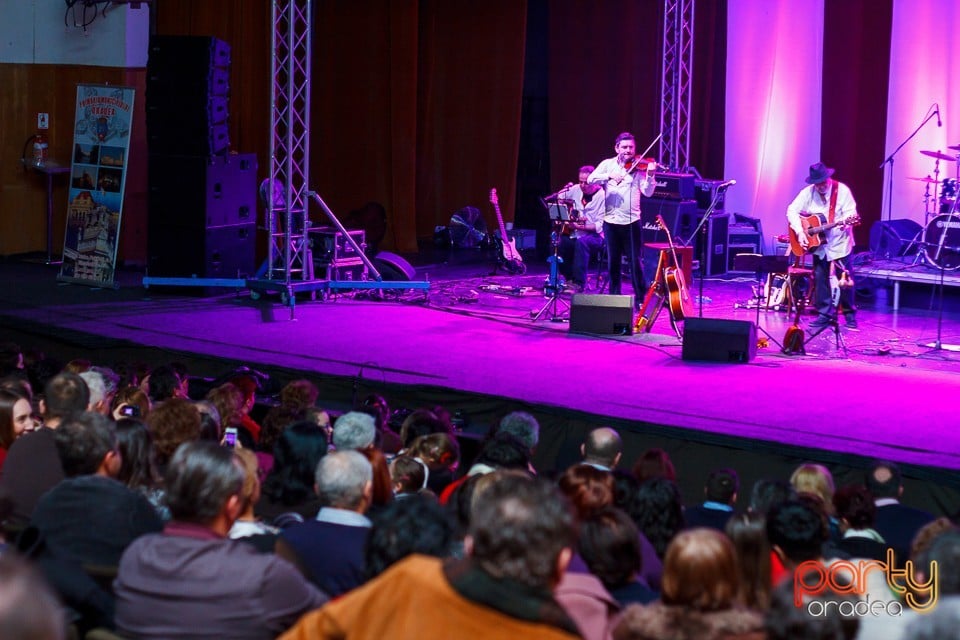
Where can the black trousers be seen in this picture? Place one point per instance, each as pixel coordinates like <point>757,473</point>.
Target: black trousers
<point>822,294</point>
<point>625,240</point>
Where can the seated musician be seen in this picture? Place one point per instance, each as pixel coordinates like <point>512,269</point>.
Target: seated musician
<point>833,202</point>
<point>583,237</point>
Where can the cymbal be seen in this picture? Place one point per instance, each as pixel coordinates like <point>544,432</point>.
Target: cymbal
<point>928,180</point>
<point>955,147</point>
<point>939,155</point>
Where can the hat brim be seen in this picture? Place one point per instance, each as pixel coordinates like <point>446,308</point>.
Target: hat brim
<point>811,180</point>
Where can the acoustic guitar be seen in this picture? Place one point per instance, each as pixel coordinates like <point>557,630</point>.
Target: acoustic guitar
<point>511,258</point>
<point>677,295</point>
<point>814,225</point>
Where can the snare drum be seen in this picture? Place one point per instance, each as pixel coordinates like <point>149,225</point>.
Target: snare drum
<point>941,239</point>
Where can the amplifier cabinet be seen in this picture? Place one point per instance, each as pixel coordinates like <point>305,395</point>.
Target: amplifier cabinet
<point>674,186</point>
<point>716,236</point>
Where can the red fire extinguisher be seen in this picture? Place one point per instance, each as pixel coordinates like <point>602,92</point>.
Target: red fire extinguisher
<point>41,149</point>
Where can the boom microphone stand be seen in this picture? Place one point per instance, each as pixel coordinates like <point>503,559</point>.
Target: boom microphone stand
<point>702,227</point>
<point>889,159</point>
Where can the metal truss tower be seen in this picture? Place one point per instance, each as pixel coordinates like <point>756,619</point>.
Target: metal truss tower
<point>677,72</point>
<point>287,213</point>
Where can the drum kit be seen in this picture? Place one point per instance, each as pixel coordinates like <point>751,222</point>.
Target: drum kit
<point>941,229</point>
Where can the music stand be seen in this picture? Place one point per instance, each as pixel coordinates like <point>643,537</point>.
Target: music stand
<point>555,286</point>
<point>761,264</point>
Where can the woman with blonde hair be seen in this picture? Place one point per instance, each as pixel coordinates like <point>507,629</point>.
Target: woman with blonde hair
<point>816,479</point>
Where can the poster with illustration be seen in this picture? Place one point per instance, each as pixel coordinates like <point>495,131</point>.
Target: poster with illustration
<point>101,144</point>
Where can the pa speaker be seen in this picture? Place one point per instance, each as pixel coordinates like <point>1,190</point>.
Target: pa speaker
<point>716,340</point>
<point>601,314</point>
<point>393,268</point>
<point>891,238</point>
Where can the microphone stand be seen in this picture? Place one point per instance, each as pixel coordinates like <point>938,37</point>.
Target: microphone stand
<point>703,245</point>
<point>889,159</point>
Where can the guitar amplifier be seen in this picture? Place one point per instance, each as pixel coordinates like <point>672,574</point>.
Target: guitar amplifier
<point>673,212</point>
<point>674,186</point>
<point>716,237</point>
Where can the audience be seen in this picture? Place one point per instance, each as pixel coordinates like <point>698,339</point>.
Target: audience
<point>654,463</point>
<point>193,581</point>
<point>856,511</point>
<point>721,490</point>
<point>171,424</point>
<point>417,525</point>
<point>28,608</point>
<point>895,522</point>
<point>354,430</point>
<point>138,463</point>
<point>602,448</point>
<point>16,418</point>
<point>748,533</point>
<point>288,494</point>
<point>517,549</point>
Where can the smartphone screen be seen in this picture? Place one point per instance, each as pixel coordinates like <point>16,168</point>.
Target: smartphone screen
<point>230,437</point>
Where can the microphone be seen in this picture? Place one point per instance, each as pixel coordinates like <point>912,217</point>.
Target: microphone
<point>554,195</point>
<point>937,105</point>
<point>728,183</point>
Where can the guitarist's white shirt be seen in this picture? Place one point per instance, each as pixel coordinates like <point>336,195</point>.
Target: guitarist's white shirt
<point>591,213</point>
<point>838,241</point>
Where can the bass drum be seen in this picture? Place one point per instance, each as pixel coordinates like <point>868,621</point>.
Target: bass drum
<point>941,238</point>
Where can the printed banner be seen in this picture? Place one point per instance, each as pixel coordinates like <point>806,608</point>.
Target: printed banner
<point>101,144</point>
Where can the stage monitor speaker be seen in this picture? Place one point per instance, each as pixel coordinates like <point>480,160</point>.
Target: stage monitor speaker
<point>393,268</point>
<point>716,340</point>
<point>591,313</point>
<point>891,238</point>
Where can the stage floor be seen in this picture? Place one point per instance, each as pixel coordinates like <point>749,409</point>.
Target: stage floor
<point>888,395</point>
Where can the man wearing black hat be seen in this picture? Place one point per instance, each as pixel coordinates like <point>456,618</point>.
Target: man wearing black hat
<point>833,206</point>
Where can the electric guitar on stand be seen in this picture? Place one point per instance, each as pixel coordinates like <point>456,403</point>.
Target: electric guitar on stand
<point>507,254</point>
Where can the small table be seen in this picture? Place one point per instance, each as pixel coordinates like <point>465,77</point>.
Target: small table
<point>49,169</point>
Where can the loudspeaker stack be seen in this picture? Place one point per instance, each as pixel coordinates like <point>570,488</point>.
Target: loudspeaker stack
<point>202,199</point>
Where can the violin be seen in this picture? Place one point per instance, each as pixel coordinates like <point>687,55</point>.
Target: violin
<point>645,164</point>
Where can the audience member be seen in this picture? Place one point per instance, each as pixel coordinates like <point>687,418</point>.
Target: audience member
<point>943,623</point>
<point>163,383</point>
<point>524,427</point>
<point>609,544</point>
<point>99,400</point>
<point>796,533</point>
<point>602,448</point>
<point>354,430</point>
<point>29,610</point>
<point>721,491</point>
<point>288,493</point>
<point>408,475</point>
<point>659,512</point>
<point>192,577</point>
<point>815,619</point>
<point>211,427</point>
<point>171,424</point>
<point>500,451</point>
<point>33,465</point>
<point>138,464</point>
<point>381,492</point>
<point>768,492</point>
<point>748,533</point>
<point>856,511</point>
<point>421,422</point>
<point>519,543</point>
<point>248,388</point>
<point>229,402</point>
<point>377,407</point>
<point>329,548</point>
<point>247,524</point>
<point>896,522</point>
<point>654,463</point>
<point>130,402</point>
<point>699,600</point>
<point>16,418</point>
<point>816,479</point>
<point>441,453</point>
<point>417,525</point>
<point>90,517</point>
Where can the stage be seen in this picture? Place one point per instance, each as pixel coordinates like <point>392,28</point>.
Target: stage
<point>471,344</point>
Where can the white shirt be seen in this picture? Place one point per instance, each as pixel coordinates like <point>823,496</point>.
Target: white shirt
<point>622,200</point>
<point>839,240</point>
<point>591,213</point>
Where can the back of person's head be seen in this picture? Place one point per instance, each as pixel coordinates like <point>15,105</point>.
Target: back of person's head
<point>820,616</point>
<point>723,486</point>
<point>354,430</point>
<point>132,397</point>
<point>854,504</point>
<point>587,488</point>
<point>29,610</point>
<point>299,394</point>
<point>748,533</point>
<point>64,394</point>
<point>943,623</point>
<point>883,479</point>
<point>602,446</point>
<point>522,426</point>
<point>928,533</point>
<point>200,479</point>
<point>945,551</point>
<point>816,479</point>
<point>610,545</point>
<point>83,441</point>
<point>768,492</point>
<point>654,463</point>
<point>503,451</point>
<point>797,530</point>
<point>421,422</point>
<point>111,381</point>
<point>18,381</point>
<point>660,508</point>
<point>228,399</point>
<point>408,475</point>
<point>377,407</point>
<point>250,493</point>
<point>416,524</point>
<point>96,386</point>
<point>519,527</point>
<point>248,386</point>
<point>700,571</point>
<point>138,464</point>
<point>295,456</point>
<point>77,365</point>
<point>437,450</point>
<point>172,423</point>
<point>342,479</point>
<point>381,483</point>
<point>164,383</point>
<point>211,427</point>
